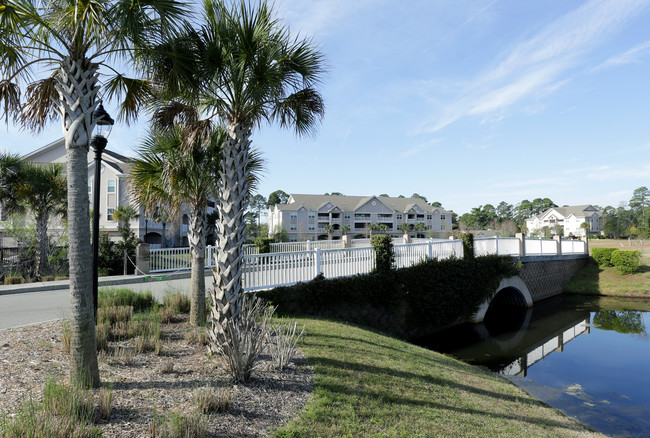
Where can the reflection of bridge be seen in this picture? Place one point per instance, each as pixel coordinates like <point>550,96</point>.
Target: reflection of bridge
<point>527,336</point>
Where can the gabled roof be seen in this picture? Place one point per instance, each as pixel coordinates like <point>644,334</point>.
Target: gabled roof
<point>352,203</point>
<point>576,210</point>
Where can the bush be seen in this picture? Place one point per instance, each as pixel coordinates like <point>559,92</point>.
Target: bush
<point>263,244</point>
<point>283,345</point>
<point>14,280</point>
<point>140,301</point>
<point>468,245</point>
<point>384,252</point>
<point>626,261</point>
<point>603,256</point>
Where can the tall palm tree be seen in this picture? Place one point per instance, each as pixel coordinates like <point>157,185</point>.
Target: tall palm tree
<point>166,174</point>
<point>43,190</point>
<point>71,40</point>
<point>243,67</point>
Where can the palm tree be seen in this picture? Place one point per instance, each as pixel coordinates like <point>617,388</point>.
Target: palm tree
<point>10,175</point>
<point>43,190</point>
<point>162,214</point>
<point>329,229</point>
<point>420,227</point>
<point>165,174</point>
<point>124,214</point>
<point>345,229</point>
<point>405,228</point>
<point>241,66</point>
<point>71,40</point>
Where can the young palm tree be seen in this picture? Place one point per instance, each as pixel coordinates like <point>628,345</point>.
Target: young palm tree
<point>43,190</point>
<point>124,214</point>
<point>72,40</point>
<point>242,66</point>
<point>166,174</point>
<point>329,229</point>
<point>162,214</point>
<point>10,174</point>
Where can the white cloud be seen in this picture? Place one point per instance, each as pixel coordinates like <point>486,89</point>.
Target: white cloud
<point>420,147</point>
<point>629,57</point>
<point>540,64</point>
<point>319,17</point>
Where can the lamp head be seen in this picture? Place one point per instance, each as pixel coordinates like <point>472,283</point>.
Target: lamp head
<point>103,122</point>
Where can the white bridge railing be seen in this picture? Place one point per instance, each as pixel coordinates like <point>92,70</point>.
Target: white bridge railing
<point>264,271</point>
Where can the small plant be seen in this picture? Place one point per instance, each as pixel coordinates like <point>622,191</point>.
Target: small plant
<point>105,403</point>
<point>283,345</point>
<point>627,262</point>
<point>177,425</point>
<point>124,355</point>
<point>244,338</point>
<point>209,399</point>
<point>166,366</point>
<point>66,336</point>
<point>102,335</point>
<point>140,301</point>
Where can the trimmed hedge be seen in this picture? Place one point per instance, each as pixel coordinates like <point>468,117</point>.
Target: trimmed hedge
<point>626,261</point>
<point>603,256</point>
<point>408,302</point>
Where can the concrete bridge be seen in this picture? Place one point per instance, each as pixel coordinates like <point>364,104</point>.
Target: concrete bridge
<point>541,277</point>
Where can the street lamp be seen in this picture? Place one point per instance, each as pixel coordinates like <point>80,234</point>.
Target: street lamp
<point>103,125</point>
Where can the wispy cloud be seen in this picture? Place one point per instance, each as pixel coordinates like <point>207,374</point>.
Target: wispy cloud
<point>421,147</point>
<point>319,17</point>
<point>540,64</point>
<point>629,57</point>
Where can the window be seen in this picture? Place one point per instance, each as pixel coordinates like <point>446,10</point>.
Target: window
<point>399,217</point>
<point>312,218</point>
<point>312,227</point>
<point>294,219</point>
<point>346,216</point>
<point>429,217</point>
<point>110,184</point>
<point>442,217</point>
<point>292,227</point>
<point>109,214</point>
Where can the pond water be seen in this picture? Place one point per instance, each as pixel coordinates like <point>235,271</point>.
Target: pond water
<point>589,358</point>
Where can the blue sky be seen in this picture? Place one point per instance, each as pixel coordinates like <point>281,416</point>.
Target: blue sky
<point>465,102</point>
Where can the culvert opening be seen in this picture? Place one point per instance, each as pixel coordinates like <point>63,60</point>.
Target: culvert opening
<point>506,313</point>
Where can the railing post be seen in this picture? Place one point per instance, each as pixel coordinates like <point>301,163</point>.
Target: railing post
<point>522,244</point>
<point>317,263</point>
<point>496,244</point>
<point>309,245</point>
<point>430,249</point>
<point>142,258</point>
<point>558,243</point>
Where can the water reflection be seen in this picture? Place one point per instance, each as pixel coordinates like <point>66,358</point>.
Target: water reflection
<point>511,340</point>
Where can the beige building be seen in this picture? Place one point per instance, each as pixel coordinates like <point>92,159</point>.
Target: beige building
<point>305,217</point>
<point>114,192</point>
<point>570,219</point>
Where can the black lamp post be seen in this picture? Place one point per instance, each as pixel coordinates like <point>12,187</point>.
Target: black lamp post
<point>103,125</point>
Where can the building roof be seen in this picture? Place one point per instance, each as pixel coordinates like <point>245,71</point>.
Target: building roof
<point>576,210</point>
<point>352,203</point>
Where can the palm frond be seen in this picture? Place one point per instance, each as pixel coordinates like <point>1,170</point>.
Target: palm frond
<point>301,110</point>
<point>40,108</point>
<point>137,93</point>
<point>174,113</point>
<point>9,99</point>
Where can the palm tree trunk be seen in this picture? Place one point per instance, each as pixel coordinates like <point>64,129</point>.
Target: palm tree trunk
<point>77,87</point>
<point>41,240</point>
<point>196,238</point>
<point>231,229</point>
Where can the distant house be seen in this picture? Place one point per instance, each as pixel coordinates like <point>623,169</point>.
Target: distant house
<point>569,219</point>
<point>305,217</point>
<point>114,192</point>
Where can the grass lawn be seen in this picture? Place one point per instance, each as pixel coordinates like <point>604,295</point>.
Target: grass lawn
<point>596,280</point>
<point>370,385</point>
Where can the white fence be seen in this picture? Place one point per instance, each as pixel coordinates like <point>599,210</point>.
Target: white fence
<point>263,271</point>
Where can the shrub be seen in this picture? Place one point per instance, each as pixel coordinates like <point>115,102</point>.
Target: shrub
<point>14,280</point>
<point>244,338</point>
<point>603,256</point>
<point>177,425</point>
<point>177,303</point>
<point>263,244</point>
<point>384,252</point>
<point>626,261</point>
<point>468,245</point>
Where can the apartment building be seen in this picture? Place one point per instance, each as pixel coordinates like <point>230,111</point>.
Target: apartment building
<point>114,192</point>
<point>307,217</point>
<point>569,218</point>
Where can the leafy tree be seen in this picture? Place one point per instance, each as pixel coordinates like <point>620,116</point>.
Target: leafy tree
<point>625,321</point>
<point>278,197</point>
<point>43,190</point>
<point>69,42</point>
<point>401,196</point>
<point>258,204</point>
<point>243,66</point>
<point>383,195</point>
<point>418,196</point>
<point>336,194</point>
<point>504,211</point>
<point>436,204</point>
<point>639,203</point>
